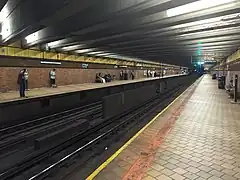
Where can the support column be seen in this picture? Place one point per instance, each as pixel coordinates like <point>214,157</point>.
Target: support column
<point>236,88</point>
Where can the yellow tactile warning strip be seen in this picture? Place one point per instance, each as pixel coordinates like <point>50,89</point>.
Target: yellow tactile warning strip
<point>109,160</point>
<point>203,144</point>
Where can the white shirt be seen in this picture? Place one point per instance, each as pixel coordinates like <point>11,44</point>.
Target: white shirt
<point>103,80</point>
<point>145,73</point>
<point>53,75</point>
<point>26,75</point>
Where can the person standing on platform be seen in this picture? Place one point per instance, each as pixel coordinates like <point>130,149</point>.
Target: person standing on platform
<point>121,75</point>
<point>21,83</point>
<point>26,79</point>
<point>53,78</point>
<point>145,73</point>
<point>149,73</point>
<point>132,75</point>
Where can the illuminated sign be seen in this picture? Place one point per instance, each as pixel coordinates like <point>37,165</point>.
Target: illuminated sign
<point>51,62</point>
<point>85,66</point>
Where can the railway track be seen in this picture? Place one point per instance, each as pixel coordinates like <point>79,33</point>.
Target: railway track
<point>16,129</point>
<point>99,135</point>
<point>18,142</point>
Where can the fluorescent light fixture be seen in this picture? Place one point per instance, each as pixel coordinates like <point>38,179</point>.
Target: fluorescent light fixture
<point>4,13</point>
<point>195,6</point>
<point>84,50</point>
<point>201,22</point>
<point>95,52</point>
<point>103,54</point>
<point>32,37</point>
<point>51,62</point>
<point>54,43</point>
<point>2,17</point>
<point>123,66</point>
<point>6,28</point>
<point>73,47</point>
<point>231,17</point>
<point>203,32</point>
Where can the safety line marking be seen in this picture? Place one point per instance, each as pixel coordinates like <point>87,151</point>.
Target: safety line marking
<point>110,159</point>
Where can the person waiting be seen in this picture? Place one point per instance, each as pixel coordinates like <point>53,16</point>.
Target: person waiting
<point>132,75</point>
<point>52,76</point>
<point>230,89</point>
<point>98,78</point>
<point>102,79</point>
<point>155,74</point>
<point>121,75</point>
<point>21,83</point>
<point>108,78</point>
<point>148,73</point>
<point>26,79</point>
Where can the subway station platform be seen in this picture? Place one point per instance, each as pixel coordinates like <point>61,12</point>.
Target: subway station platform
<point>195,137</point>
<point>47,91</point>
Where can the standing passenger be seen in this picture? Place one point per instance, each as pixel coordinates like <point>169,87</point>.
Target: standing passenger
<point>26,79</point>
<point>149,73</point>
<point>121,75</point>
<point>53,78</point>
<point>21,82</point>
<point>132,75</point>
<point>145,73</point>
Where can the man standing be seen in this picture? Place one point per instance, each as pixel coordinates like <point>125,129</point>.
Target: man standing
<point>121,75</point>
<point>53,78</point>
<point>132,75</point>
<point>26,79</point>
<point>21,82</point>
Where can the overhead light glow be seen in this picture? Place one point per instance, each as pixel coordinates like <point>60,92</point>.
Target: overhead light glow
<point>50,62</point>
<point>2,17</point>
<point>54,43</point>
<point>103,54</point>
<point>231,17</point>
<point>4,13</point>
<point>84,50</point>
<point>195,6</point>
<point>32,37</point>
<point>5,22</point>
<point>73,47</point>
<point>95,52</point>
<point>6,28</point>
<point>200,62</point>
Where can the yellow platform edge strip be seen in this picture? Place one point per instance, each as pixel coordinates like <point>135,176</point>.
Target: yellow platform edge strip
<point>110,159</point>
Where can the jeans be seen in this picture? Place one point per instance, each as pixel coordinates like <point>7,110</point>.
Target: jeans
<point>53,82</point>
<point>22,89</point>
<point>26,84</point>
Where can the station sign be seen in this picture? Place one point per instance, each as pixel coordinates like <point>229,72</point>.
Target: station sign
<point>84,65</point>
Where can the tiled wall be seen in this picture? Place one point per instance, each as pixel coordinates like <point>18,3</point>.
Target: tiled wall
<point>39,77</point>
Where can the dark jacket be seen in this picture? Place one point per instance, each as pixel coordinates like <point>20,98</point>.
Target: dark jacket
<point>20,78</point>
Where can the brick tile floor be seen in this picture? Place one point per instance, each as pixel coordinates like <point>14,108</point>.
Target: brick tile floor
<point>202,144</point>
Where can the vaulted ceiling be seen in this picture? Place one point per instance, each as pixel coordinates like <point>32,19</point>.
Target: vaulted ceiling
<point>168,31</point>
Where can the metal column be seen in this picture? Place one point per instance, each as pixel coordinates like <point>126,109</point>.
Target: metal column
<point>236,88</point>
